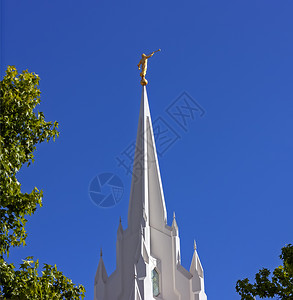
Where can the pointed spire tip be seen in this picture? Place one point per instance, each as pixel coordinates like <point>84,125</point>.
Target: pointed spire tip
<point>194,245</point>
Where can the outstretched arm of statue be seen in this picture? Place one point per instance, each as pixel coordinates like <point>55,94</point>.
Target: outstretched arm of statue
<point>150,55</point>
<point>139,65</point>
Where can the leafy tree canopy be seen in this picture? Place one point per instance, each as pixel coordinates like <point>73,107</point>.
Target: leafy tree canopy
<point>21,129</point>
<point>279,284</point>
<point>27,284</point>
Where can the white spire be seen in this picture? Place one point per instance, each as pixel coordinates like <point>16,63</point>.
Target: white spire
<point>195,266</point>
<point>197,281</point>
<point>119,230</point>
<point>101,273</point>
<point>175,229</point>
<point>146,196</point>
<point>100,278</point>
<point>148,259</point>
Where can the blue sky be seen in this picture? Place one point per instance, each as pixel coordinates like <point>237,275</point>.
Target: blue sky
<point>228,177</point>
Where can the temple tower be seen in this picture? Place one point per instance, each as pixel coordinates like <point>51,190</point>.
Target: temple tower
<point>148,263</point>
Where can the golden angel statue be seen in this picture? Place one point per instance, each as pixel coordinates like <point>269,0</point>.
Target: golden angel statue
<point>143,65</point>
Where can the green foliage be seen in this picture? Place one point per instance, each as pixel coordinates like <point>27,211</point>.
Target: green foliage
<point>21,129</point>
<point>279,284</point>
<point>27,284</point>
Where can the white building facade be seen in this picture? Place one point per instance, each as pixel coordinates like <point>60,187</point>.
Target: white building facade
<point>148,264</point>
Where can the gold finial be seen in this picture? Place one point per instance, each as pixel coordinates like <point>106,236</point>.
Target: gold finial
<point>143,63</point>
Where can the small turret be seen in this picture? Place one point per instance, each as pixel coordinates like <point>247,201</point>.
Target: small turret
<point>197,281</point>
<point>100,279</point>
<point>195,266</point>
<point>175,230</point>
<point>119,230</point>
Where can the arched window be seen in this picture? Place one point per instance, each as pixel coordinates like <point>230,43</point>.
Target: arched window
<point>156,283</point>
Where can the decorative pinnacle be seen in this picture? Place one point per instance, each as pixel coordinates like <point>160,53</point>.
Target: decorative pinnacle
<point>194,245</point>
<point>101,252</point>
<point>120,220</point>
<point>174,225</point>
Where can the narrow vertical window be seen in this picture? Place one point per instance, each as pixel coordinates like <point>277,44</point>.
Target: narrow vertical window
<point>156,284</point>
